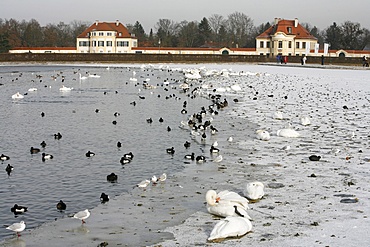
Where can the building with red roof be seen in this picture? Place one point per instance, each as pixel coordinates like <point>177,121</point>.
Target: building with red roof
<point>287,38</point>
<point>106,37</point>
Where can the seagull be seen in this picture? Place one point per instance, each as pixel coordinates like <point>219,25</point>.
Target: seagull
<point>61,205</point>
<point>286,148</point>
<point>17,96</point>
<point>143,183</point>
<point>154,180</point>
<point>163,177</point>
<point>263,135</point>
<point>230,139</point>
<point>17,227</point>
<point>218,159</point>
<point>82,215</point>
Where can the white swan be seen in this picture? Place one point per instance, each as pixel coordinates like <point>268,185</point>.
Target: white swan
<point>287,133</point>
<point>32,89</point>
<point>94,75</point>
<point>236,88</point>
<point>227,203</point>
<point>218,159</point>
<point>83,77</point>
<point>230,227</point>
<point>133,79</point>
<point>278,115</point>
<point>65,89</point>
<point>305,121</point>
<point>254,190</point>
<point>17,96</point>
<point>263,135</point>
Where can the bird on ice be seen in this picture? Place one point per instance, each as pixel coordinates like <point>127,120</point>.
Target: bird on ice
<point>82,215</point>
<point>17,227</point>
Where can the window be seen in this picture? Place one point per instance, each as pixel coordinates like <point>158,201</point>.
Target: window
<point>101,34</point>
<point>109,43</point>
<point>94,43</point>
<point>297,45</point>
<point>122,43</point>
<point>261,44</point>
<point>93,34</point>
<point>84,43</point>
<point>304,45</point>
<point>289,29</point>
<point>134,43</point>
<point>290,44</point>
<point>109,34</point>
<point>101,43</point>
<point>268,44</point>
<point>280,44</point>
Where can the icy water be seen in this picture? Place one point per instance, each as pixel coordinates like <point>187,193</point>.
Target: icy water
<point>71,176</point>
<point>301,206</point>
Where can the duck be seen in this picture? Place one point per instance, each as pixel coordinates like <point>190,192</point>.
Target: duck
<point>170,150</point>
<point>227,203</point>
<point>119,144</point>
<point>34,150</point>
<point>190,156</point>
<point>47,156</point>
<point>231,226</point>
<point>263,135</point>
<point>4,157</point>
<point>43,144</point>
<point>17,227</point>
<point>58,136</point>
<point>200,159</point>
<point>61,205</point>
<point>17,96</point>
<point>254,191</point>
<point>287,133</point>
<point>214,150</point>
<point>16,209</point>
<point>187,144</point>
<point>82,215</point>
<point>314,158</point>
<point>112,177</point>
<point>104,198</point>
<point>125,160</point>
<point>129,155</point>
<point>90,154</point>
<point>9,169</point>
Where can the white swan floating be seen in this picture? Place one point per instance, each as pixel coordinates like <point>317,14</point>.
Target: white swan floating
<point>227,203</point>
<point>254,190</point>
<point>65,89</point>
<point>263,135</point>
<point>17,96</point>
<point>305,121</point>
<point>230,227</point>
<point>287,133</point>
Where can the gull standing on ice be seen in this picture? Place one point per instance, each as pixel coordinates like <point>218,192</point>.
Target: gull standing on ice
<point>17,227</point>
<point>82,215</point>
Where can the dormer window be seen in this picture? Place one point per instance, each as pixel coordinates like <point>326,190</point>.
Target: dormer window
<point>289,29</point>
<point>120,34</point>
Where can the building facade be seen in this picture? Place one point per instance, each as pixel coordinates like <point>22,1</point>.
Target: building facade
<point>287,38</point>
<point>106,37</point>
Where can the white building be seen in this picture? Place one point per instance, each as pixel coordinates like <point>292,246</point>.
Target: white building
<point>106,37</point>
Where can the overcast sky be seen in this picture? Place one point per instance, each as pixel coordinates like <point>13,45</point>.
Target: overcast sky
<point>319,13</point>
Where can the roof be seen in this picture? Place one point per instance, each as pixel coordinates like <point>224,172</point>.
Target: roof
<point>107,26</point>
<point>282,26</point>
<point>191,49</point>
<point>45,48</point>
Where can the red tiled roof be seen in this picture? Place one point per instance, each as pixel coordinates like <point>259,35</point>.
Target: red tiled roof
<point>282,26</point>
<point>191,48</point>
<point>107,26</point>
<point>45,48</point>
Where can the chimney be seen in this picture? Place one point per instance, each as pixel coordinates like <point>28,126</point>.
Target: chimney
<point>277,20</point>
<point>117,23</point>
<point>96,22</point>
<point>296,22</point>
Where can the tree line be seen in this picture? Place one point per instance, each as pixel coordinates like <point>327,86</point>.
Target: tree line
<point>235,30</point>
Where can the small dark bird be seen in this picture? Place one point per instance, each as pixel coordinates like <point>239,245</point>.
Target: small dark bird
<point>90,154</point>
<point>16,209</point>
<point>119,144</point>
<point>170,150</point>
<point>168,128</point>
<point>42,114</point>
<point>314,158</point>
<point>4,157</point>
<point>104,198</point>
<point>187,144</point>
<point>129,155</point>
<point>149,120</point>
<point>43,144</point>
<point>9,169</point>
<point>58,136</point>
<point>200,159</point>
<point>61,205</point>
<point>125,160</point>
<point>96,110</point>
<point>161,120</point>
<point>112,177</point>
<point>114,122</point>
<point>214,149</point>
<point>34,150</point>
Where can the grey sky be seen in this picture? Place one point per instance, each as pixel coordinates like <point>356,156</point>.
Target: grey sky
<point>320,13</point>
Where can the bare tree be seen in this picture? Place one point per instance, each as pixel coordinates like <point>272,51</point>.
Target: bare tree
<point>239,28</point>
<point>188,32</point>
